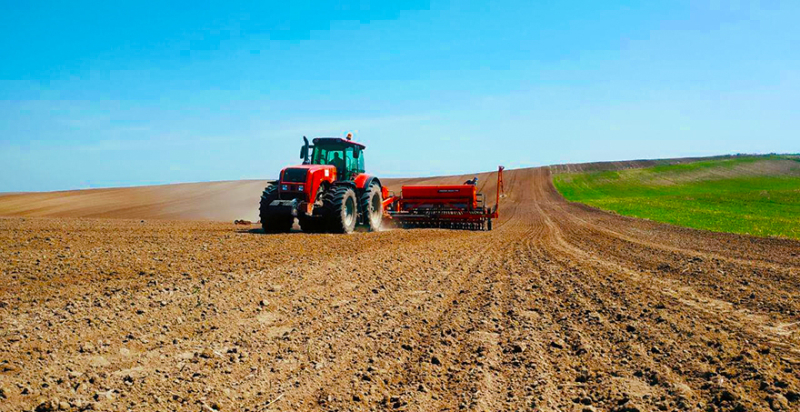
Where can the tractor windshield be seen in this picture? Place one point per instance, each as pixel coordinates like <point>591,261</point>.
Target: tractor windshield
<point>344,158</point>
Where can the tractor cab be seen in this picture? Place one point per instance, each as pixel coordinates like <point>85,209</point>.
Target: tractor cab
<point>345,155</point>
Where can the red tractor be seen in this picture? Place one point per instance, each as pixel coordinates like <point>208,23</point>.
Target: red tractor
<point>329,192</point>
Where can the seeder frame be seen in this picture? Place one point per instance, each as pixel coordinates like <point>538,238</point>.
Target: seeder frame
<point>444,212</point>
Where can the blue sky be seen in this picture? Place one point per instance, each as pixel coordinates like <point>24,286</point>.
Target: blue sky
<point>98,94</point>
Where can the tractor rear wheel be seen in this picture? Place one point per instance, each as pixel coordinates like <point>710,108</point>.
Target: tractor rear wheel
<point>372,208</point>
<point>341,209</point>
<point>272,223</point>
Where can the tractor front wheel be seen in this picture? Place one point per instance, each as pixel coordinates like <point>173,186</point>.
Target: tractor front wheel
<point>341,209</point>
<point>270,222</point>
<point>372,208</point>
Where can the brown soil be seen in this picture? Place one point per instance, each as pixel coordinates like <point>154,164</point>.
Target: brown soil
<point>560,308</point>
<point>220,201</point>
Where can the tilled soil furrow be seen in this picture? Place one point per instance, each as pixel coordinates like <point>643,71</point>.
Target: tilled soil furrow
<point>445,345</point>
<point>395,329</point>
<point>596,328</point>
<point>358,339</point>
<point>755,286</point>
<point>732,343</point>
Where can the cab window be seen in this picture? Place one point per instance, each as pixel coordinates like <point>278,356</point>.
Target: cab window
<point>343,158</point>
<point>327,156</point>
<point>350,159</point>
<point>360,162</point>
<point>320,156</point>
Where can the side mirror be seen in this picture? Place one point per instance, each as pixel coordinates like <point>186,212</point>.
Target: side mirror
<point>304,151</point>
<point>357,153</point>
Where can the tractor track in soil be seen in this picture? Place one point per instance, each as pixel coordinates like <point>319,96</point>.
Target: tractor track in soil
<point>562,307</point>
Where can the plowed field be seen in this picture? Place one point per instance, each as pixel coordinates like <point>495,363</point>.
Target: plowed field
<point>560,308</point>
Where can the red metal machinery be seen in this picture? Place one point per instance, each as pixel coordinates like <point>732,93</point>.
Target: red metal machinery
<point>444,206</point>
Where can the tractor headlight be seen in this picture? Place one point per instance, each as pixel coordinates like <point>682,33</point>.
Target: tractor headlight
<point>301,188</point>
<point>285,188</point>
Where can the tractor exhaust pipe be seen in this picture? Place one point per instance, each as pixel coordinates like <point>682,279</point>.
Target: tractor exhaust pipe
<point>304,152</point>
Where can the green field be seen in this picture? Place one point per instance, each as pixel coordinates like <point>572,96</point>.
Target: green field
<point>751,195</point>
